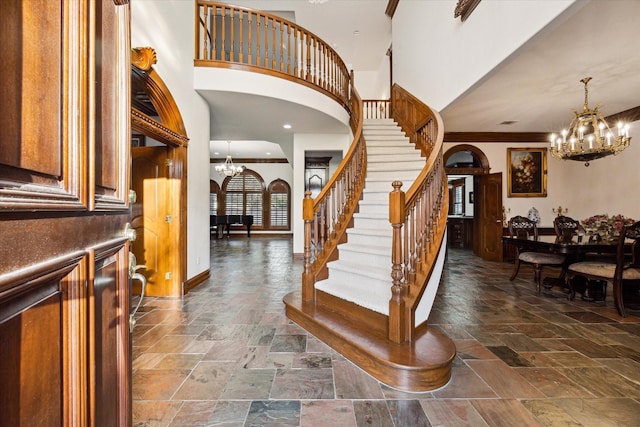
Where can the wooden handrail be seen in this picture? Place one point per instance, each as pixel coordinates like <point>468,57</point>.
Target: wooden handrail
<point>421,212</point>
<point>240,38</point>
<point>327,217</point>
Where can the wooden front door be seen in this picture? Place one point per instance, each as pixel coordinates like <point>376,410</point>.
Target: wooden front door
<point>152,218</point>
<point>64,168</point>
<point>488,236</point>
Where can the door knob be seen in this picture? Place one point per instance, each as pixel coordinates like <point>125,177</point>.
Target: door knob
<point>130,232</point>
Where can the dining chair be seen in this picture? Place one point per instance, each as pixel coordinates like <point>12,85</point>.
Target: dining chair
<point>565,228</point>
<point>523,228</point>
<point>626,267</point>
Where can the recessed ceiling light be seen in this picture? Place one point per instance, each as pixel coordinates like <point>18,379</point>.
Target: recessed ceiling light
<point>268,154</point>
<point>286,126</point>
<point>356,32</point>
<point>216,153</point>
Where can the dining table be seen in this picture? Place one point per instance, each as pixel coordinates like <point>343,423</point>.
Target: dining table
<point>576,249</point>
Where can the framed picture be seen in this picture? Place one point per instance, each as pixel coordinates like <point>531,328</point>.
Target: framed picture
<point>526,172</point>
<point>137,140</point>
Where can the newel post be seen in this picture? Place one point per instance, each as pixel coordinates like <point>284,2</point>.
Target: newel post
<point>307,277</point>
<point>397,331</point>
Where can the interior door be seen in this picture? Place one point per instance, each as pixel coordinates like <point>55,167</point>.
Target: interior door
<point>489,217</point>
<point>64,154</point>
<point>151,218</point>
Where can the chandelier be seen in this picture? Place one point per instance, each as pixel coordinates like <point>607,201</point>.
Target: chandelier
<point>318,1</point>
<point>228,168</point>
<point>589,136</point>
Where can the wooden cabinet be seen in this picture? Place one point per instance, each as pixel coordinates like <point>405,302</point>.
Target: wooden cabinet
<point>460,232</point>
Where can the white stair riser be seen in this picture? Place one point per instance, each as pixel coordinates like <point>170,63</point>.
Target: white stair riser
<point>366,259</point>
<point>363,239</point>
<point>371,223</point>
<point>387,167</point>
<point>349,278</point>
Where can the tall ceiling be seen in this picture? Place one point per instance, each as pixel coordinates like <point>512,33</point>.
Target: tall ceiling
<point>536,88</point>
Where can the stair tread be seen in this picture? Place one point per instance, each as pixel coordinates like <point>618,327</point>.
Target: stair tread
<point>422,364</point>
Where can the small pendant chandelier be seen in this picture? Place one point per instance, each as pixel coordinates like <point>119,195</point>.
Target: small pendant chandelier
<point>228,168</point>
<point>589,136</point>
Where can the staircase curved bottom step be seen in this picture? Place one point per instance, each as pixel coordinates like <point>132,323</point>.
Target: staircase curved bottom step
<point>418,366</point>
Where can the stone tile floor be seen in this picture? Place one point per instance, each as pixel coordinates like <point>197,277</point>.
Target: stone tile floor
<point>226,355</point>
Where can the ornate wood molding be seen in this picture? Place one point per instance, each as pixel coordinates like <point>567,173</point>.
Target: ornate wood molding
<point>143,57</point>
<point>142,123</point>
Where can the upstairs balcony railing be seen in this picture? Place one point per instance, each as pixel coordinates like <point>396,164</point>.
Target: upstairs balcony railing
<point>239,38</point>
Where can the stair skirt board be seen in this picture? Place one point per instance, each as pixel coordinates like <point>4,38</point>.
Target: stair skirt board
<point>421,365</point>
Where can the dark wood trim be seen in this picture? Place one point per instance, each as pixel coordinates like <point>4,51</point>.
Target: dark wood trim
<point>515,137</point>
<point>248,160</point>
<point>628,116</point>
<point>391,8</point>
<point>357,313</point>
<point>195,281</point>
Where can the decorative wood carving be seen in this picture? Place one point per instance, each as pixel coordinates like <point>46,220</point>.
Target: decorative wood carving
<point>150,127</point>
<point>143,57</point>
<point>464,8</point>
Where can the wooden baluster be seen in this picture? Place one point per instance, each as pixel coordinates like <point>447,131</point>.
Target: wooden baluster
<point>223,33</point>
<point>232,34</point>
<point>241,37</point>
<point>289,53</point>
<point>214,35</point>
<point>414,218</point>
<point>249,38</point>
<point>323,223</point>
<point>266,42</point>
<point>203,14</point>
<point>282,58</point>
<point>307,278</point>
<point>398,288</point>
<point>274,52</point>
<point>297,52</point>
<point>308,58</point>
<point>258,40</point>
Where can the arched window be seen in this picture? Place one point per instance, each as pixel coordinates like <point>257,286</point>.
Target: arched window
<point>243,195</point>
<point>279,205</point>
<point>214,194</point>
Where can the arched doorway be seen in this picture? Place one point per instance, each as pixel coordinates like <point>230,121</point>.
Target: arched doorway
<point>483,201</point>
<point>158,167</point>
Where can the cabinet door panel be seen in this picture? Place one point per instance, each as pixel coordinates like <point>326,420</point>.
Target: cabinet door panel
<point>31,355</point>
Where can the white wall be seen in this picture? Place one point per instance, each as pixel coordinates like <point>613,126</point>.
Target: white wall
<point>153,24</point>
<point>374,84</point>
<point>609,185</point>
<point>464,52</point>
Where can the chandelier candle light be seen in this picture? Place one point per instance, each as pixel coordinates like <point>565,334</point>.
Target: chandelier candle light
<point>589,137</point>
<point>228,168</point>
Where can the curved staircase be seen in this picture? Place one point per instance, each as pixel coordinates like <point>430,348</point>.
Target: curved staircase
<point>350,308</point>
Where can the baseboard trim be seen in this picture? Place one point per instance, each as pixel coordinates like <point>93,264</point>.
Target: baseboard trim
<point>195,281</point>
